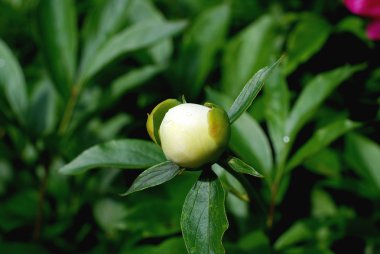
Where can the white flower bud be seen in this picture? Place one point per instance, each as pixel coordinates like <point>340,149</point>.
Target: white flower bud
<point>192,135</point>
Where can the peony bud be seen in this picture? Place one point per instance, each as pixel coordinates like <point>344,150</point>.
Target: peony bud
<point>191,134</point>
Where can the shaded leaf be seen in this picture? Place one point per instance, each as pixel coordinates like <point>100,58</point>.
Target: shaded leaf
<point>203,219</point>
<point>58,30</point>
<point>242,167</point>
<point>12,83</point>
<point>110,214</point>
<point>198,50</point>
<point>249,92</point>
<point>305,40</point>
<point>100,24</point>
<point>135,37</point>
<point>364,157</point>
<point>248,52</point>
<point>127,153</point>
<point>173,245</point>
<point>154,176</point>
<point>316,91</point>
<point>321,138</point>
<point>276,108</point>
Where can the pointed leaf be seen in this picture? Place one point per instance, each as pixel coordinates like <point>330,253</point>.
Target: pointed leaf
<point>136,37</point>
<point>127,153</point>
<point>154,176</point>
<point>249,51</point>
<point>249,92</point>
<point>242,167</point>
<point>305,40</point>
<point>322,138</point>
<point>12,83</point>
<point>101,23</point>
<point>364,157</point>
<point>58,32</point>
<point>200,44</point>
<point>317,90</point>
<point>203,219</point>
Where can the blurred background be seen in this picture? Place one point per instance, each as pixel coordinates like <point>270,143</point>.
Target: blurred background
<point>74,74</point>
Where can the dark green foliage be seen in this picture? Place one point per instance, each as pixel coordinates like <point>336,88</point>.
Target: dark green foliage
<point>77,79</point>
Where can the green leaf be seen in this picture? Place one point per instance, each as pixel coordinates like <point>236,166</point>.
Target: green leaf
<point>364,157</point>
<point>248,140</point>
<point>248,52</point>
<point>131,80</point>
<point>110,214</point>
<point>154,176</point>
<point>12,83</point>
<point>203,219</point>
<point>135,37</point>
<point>173,245</point>
<point>198,50</point>
<point>322,204</point>
<point>276,108</point>
<point>249,92</point>
<point>316,91</point>
<point>305,40</point>
<point>321,138</point>
<point>100,24</point>
<point>127,153</point>
<point>20,247</point>
<point>242,167</point>
<point>326,162</point>
<point>58,32</point>
<point>141,11</point>
<point>300,231</point>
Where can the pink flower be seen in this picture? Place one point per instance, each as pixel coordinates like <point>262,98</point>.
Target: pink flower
<point>367,8</point>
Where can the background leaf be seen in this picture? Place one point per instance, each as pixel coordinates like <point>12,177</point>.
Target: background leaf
<point>203,219</point>
<point>364,157</point>
<point>58,30</point>
<point>249,51</point>
<point>309,35</point>
<point>316,91</point>
<point>154,176</point>
<point>128,153</point>
<point>137,36</point>
<point>322,138</point>
<point>102,22</point>
<point>198,50</point>
<point>12,83</point>
<point>241,167</point>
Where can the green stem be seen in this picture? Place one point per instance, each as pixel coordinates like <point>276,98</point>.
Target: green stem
<point>67,115</point>
<point>254,197</point>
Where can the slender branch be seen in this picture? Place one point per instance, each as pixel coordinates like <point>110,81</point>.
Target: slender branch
<point>67,115</point>
<point>41,203</point>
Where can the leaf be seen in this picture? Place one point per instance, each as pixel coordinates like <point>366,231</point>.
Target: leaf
<point>110,214</point>
<point>248,52</point>
<point>316,91</point>
<point>305,40</point>
<point>230,183</point>
<point>12,83</point>
<point>322,204</point>
<point>127,153</point>
<point>242,167</point>
<point>141,11</point>
<point>300,231</point>
<point>276,108</point>
<point>198,50</point>
<point>326,162</point>
<point>321,138</point>
<point>100,24</point>
<point>131,80</point>
<point>249,92</point>
<point>154,176</point>
<point>173,245</point>
<point>203,219</point>
<point>56,21</point>
<point>248,140</point>
<point>364,157</point>
<point>135,37</point>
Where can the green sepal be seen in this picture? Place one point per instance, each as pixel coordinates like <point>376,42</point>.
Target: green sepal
<point>155,118</point>
<point>219,124</point>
